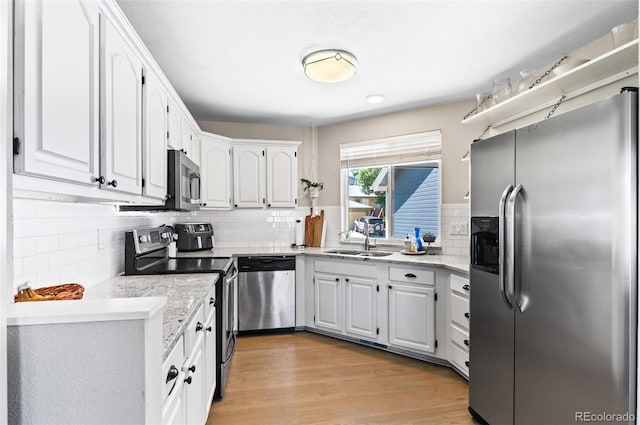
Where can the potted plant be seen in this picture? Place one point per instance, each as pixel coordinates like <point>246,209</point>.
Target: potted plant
<point>428,237</point>
<point>313,187</point>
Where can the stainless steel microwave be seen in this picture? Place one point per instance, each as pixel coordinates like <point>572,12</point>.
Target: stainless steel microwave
<point>183,182</point>
<point>183,186</point>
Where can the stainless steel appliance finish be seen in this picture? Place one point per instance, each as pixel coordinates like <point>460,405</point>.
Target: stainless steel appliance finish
<point>225,329</point>
<point>554,332</point>
<point>183,186</point>
<point>266,293</point>
<point>194,236</point>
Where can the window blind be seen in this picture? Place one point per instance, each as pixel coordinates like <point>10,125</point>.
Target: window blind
<point>418,147</point>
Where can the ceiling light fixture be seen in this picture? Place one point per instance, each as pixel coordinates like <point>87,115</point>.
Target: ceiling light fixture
<point>375,98</point>
<point>329,66</point>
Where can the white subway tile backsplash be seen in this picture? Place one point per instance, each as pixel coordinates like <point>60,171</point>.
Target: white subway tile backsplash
<point>46,244</point>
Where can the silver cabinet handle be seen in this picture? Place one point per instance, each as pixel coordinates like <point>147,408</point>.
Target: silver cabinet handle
<point>501,245</point>
<point>511,254</point>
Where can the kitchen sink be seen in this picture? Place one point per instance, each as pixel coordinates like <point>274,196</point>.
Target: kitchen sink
<point>358,253</point>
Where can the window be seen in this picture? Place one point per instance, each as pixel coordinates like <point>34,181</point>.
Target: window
<point>391,186</point>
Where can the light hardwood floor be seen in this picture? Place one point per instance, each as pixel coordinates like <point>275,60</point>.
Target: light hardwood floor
<point>304,378</point>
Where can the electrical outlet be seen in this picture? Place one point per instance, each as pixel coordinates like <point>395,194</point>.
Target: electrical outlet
<point>102,243</point>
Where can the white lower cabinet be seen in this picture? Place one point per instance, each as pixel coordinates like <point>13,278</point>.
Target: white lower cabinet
<point>361,311</point>
<point>412,317</point>
<point>190,369</point>
<point>346,303</point>
<point>459,337</point>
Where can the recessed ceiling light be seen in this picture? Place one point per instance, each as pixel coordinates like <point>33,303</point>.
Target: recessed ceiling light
<point>329,66</point>
<point>375,98</point>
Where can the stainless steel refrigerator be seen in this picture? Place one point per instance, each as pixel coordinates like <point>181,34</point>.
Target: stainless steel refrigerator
<point>554,269</point>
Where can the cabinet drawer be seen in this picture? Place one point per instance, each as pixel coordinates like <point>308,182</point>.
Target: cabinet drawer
<point>460,337</point>
<point>459,310</point>
<point>210,301</point>
<point>171,368</point>
<point>459,284</point>
<point>459,359</point>
<point>412,275</point>
<point>193,329</point>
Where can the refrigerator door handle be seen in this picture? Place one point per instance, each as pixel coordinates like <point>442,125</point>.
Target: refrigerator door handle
<point>501,243</point>
<point>516,299</point>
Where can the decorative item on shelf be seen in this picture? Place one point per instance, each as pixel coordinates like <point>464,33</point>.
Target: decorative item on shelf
<point>500,91</point>
<point>429,238</point>
<point>622,34</point>
<point>66,291</point>
<point>482,101</point>
<point>527,78</point>
<point>313,188</point>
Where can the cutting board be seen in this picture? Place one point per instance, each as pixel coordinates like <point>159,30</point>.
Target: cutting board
<point>313,229</point>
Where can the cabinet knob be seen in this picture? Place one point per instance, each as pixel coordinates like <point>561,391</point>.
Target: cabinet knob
<point>235,205</point>
<point>100,179</point>
<point>467,315</point>
<point>209,329</point>
<point>269,205</point>
<point>466,342</point>
<point>113,183</point>
<point>212,301</point>
<point>337,279</point>
<point>204,205</point>
<point>466,363</point>
<point>188,380</point>
<point>199,327</point>
<point>192,368</point>
<point>173,373</point>
<point>466,287</point>
<point>346,279</point>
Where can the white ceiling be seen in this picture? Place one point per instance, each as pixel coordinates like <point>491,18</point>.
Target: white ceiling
<point>240,61</point>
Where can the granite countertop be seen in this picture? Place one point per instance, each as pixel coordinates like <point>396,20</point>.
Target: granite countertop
<point>458,264</point>
<point>184,292</point>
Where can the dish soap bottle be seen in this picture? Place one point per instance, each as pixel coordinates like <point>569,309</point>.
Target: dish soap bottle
<point>418,239</point>
<point>407,243</point>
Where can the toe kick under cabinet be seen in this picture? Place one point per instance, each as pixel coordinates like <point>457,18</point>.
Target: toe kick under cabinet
<point>459,340</point>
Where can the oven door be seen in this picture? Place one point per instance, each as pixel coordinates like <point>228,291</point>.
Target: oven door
<point>229,337</point>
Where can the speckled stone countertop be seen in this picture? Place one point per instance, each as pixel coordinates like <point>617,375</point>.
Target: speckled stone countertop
<point>456,264</point>
<point>184,292</point>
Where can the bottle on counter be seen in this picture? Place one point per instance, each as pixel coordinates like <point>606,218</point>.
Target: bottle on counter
<point>407,243</point>
<point>418,239</point>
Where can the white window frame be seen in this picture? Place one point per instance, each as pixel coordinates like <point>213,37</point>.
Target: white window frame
<point>345,224</point>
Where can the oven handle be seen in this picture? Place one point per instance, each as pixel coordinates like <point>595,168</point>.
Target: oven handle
<point>233,276</point>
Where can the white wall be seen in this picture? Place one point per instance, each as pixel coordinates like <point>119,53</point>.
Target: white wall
<point>57,242</point>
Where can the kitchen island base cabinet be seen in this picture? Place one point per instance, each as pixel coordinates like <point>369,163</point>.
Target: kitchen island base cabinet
<point>328,302</point>
<point>85,362</point>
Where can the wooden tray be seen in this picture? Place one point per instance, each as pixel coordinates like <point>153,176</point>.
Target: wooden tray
<point>405,252</point>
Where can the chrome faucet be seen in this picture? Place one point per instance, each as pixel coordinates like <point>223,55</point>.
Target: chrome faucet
<point>367,246</point>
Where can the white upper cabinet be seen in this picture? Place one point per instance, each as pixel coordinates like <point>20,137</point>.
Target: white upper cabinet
<point>121,147</point>
<point>174,135</point>
<point>282,176</point>
<point>215,169</point>
<point>249,176</point>
<point>265,175</point>
<point>57,89</point>
<point>155,139</point>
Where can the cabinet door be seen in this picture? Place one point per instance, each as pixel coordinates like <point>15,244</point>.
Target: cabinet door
<point>121,147</point>
<point>412,317</point>
<point>282,176</point>
<point>248,176</point>
<point>361,318</point>
<point>174,135</point>
<point>216,174</point>
<point>174,410</point>
<point>328,302</point>
<point>210,359</point>
<point>195,391</point>
<point>195,152</point>
<point>57,89</point>
<point>155,139</point>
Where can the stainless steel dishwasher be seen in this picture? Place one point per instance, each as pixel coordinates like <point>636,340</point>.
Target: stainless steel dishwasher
<point>266,294</point>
